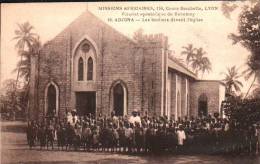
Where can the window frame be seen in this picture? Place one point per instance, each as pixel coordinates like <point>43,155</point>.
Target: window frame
<point>80,70</point>
<point>90,69</point>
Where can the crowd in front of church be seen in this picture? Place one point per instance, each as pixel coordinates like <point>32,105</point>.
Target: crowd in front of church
<point>143,134</point>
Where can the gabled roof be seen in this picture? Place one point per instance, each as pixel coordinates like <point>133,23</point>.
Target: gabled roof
<point>173,64</point>
<point>180,68</point>
<point>106,24</point>
<point>84,17</point>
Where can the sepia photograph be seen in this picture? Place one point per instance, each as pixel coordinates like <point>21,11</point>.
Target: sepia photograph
<point>130,82</point>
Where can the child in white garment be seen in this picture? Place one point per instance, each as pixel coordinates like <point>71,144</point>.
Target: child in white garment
<point>181,137</point>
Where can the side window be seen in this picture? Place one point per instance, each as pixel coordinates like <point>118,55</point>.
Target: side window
<point>90,69</point>
<point>80,69</point>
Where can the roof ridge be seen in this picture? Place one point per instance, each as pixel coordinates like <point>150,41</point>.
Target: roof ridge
<point>105,23</point>
<point>182,65</point>
<point>210,80</point>
<point>66,28</point>
<point>96,17</point>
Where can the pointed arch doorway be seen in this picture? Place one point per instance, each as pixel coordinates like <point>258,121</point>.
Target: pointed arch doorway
<point>203,105</point>
<point>119,98</point>
<point>51,99</point>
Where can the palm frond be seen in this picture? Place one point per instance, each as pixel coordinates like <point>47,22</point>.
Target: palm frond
<point>23,63</point>
<point>238,83</point>
<point>237,88</point>
<point>249,74</point>
<point>231,79</point>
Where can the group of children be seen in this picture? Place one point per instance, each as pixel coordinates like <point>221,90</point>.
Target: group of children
<point>142,134</point>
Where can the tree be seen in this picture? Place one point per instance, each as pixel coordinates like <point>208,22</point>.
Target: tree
<point>249,30</point>
<point>227,8</point>
<point>205,64</point>
<point>25,39</point>
<point>9,85</point>
<point>256,91</point>
<point>248,36</point>
<point>190,53</point>
<point>24,36</point>
<point>242,112</point>
<point>231,80</point>
<point>11,97</point>
<point>28,44</point>
<point>195,57</point>
<point>251,72</point>
<point>200,63</point>
<point>24,65</point>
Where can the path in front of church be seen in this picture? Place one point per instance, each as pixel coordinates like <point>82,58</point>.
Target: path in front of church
<point>14,150</point>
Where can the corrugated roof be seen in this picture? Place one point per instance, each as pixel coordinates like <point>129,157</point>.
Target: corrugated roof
<point>180,68</point>
<point>218,81</point>
<point>173,64</point>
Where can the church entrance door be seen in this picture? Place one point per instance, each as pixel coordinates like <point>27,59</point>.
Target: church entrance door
<point>86,103</point>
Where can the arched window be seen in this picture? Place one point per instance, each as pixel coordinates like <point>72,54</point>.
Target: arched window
<point>90,69</point>
<point>80,69</point>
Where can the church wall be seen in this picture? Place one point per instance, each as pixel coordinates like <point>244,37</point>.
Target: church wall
<point>173,94</point>
<point>183,97</point>
<point>153,73</point>
<point>179,83</point>
<point>121,61</point>
<point>222,91</point>
<point>211,89</point>
<point>178,95</point>
<point>188,84</point>
<point>140,67</point>
<point>168,96</point>
<point>114,58</point>
<point>53,67</point>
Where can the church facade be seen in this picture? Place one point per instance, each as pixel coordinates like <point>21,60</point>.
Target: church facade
<point>93,68</point>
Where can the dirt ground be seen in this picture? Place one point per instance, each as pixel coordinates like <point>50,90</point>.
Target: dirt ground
<point>15,151</point>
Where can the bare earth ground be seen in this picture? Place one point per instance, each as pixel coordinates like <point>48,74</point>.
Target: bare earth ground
<point>15,151</point>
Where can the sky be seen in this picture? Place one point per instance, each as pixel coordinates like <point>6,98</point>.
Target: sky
<point>48,19</point>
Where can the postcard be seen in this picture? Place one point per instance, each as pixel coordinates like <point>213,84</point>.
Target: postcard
<point>130,82</point>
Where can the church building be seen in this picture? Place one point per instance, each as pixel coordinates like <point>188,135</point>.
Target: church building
<point>93,68</point>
